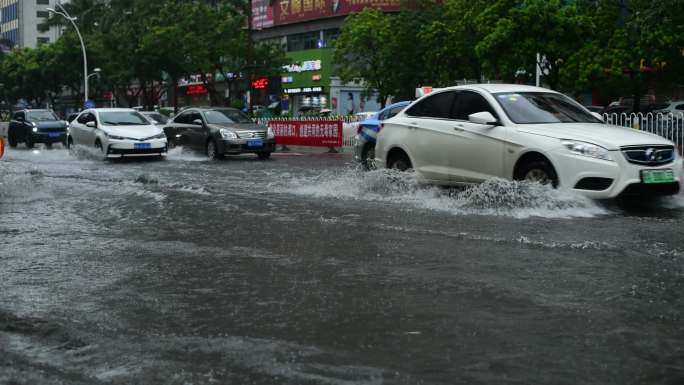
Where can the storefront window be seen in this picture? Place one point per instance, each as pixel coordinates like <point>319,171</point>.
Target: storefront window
<point>302,41</point>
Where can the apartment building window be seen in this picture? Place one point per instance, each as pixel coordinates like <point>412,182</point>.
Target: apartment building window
<point>43,2</point>
<point>12,36</point>
<point>44,14</point>
<point>43,40</point>
<point>9,13</point>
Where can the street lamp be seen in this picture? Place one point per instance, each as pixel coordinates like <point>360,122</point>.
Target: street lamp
<point>96,72</point>
<point>66,15</point>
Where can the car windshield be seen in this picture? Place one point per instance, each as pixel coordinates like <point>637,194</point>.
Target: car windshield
<point>226,116</point>
<point>41,116</point>
<point>157,117</point>
<point>542,107</point>
<point>123,118</point>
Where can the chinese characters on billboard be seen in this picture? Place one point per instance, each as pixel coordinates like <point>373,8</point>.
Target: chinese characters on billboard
<point>295,11</point>
<point>322,133</point>
<point>262,14</point>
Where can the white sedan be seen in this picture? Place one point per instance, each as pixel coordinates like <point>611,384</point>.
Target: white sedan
<point>468,134</point>
<point>117,132</point>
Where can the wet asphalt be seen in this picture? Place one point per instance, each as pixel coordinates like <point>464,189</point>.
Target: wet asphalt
<point>304,270</point>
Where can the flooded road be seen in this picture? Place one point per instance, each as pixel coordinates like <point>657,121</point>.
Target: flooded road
<point>304,270</point>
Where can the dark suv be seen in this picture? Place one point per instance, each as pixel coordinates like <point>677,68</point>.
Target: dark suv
<point>36,126</point>
<point>220,131</point>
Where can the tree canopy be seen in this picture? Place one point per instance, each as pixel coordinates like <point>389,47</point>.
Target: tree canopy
<point>141,47</point>
<point>625,46</point>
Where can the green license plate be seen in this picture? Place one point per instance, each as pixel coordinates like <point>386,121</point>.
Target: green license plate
<point>657,176</point>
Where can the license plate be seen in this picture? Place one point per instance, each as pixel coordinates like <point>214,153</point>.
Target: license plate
<point>657,176</point>
<point>141,146</point>
<point>255,143</point>
<point>54,134</point>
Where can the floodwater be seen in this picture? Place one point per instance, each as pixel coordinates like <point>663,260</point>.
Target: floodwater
<point>304,270</point>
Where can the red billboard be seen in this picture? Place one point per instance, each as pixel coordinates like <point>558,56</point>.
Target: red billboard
<point>262,14</point>
<point>320,133</point>
<point>296,11</point>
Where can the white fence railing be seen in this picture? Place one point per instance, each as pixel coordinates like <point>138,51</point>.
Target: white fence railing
<point>669,126</point>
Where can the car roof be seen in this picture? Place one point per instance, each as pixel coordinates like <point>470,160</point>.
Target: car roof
<point>112,109</point>
<point>397,104</point>
<point>496,87</point>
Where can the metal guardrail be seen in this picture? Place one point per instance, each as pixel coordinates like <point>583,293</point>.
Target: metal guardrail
<point>669,126</point>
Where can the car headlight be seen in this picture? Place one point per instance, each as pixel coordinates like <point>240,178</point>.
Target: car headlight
<point>269,133</point>
<point>587,149</point>
<point>227,134</point>
<point>115,137</point>
<point>159,136</point>
<point>35,129</point>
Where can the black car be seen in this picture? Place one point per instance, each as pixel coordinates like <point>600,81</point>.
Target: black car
<point>36,126</point>
<point>220,131</point>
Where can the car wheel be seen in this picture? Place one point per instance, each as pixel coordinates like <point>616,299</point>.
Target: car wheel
<point>12,139</point>
<point>29,141</point>
<point>264,155</point>
<point>212,150</point>
<point>400,162</point>
<point>368,157</point>
<point>539,171</point>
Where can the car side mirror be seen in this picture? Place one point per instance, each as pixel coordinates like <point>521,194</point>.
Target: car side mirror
<point>484,117</point>
<point>598,116</point>
<point>91,124</point>
<point>197,122</point>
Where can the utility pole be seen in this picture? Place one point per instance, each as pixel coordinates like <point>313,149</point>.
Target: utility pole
<point>250,55</point>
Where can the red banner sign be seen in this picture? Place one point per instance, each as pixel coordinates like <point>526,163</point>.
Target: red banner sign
<point>296,11</point>
<point>320,133</point>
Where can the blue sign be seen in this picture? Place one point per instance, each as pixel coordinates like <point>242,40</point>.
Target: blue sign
<point>89,104</point>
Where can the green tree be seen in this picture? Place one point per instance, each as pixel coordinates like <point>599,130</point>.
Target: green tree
<point>633,48</point>
<point>363,51</point>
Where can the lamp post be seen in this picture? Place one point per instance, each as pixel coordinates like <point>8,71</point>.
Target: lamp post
<point>66,15</point>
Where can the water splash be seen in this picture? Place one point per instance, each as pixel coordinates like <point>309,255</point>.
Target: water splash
<point>496,197</point>
<point>184,154</point>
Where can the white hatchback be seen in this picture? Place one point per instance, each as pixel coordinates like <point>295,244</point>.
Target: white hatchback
<point>117,132</point>
<point>468,134</point>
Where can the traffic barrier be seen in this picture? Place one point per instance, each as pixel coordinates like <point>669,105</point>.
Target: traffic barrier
<point>348,128</point>
<point>669,126</point>
<point>317,133</point>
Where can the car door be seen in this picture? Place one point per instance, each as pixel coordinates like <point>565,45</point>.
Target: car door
<point>429,135</point>
<point>199,131</point>
<point>77,127</point>
<point>89,133</point>
<point>477,150</point>
<point>18,125</point>
<point>182,129</point>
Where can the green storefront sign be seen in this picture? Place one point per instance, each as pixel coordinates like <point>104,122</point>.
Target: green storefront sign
<point>308,72</point>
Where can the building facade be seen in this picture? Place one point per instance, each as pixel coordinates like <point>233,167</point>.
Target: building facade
<point>306,29</point>
<point>19,20</point>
